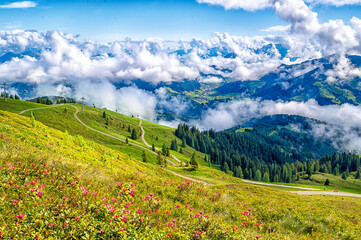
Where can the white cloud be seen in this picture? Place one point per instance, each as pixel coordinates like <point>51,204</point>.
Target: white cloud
<point>280,28</point>
<point>23,4</point>
<point>249,5</point>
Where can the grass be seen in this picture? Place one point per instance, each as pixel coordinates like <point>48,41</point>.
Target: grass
<point>76,193</point>
<point>17,106</point>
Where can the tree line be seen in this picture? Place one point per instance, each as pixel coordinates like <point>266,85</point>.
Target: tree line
<point>249,158</point>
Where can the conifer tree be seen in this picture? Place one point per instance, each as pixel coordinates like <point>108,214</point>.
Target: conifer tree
<point>327,182</point>
<point>134,135</point>
<point>144,156</point>
<point>194,161</point>
<point>126,140</point>
<point>257,176</point>
<point>104,114</point>
<point>153,147</point>
<point>265,177</point>
<point>357,176</point>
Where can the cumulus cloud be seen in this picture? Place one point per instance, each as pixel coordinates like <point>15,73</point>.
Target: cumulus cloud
<point>280,28</point>
<point>23,4</point>
<point>342,70</point>
<point>249,5</point>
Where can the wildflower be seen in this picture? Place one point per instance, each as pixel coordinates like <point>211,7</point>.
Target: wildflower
<point>39,193</point>
<point>111,210</point>
<point>85,192</point>
<point>77,218</point>
<point>20,216</point>
<point>11,168</point>
<point>94,193</point>
<point>187,205</point>
<point>201,212</point>
<point>101,231</point>
<point>125,218</point>
<point>258,237</point>
<point>167,213</point>
<point>257,225</point>
<point>177,206</point>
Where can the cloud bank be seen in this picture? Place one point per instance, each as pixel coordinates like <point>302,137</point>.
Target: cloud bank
<point>341,123</point>
<point>23,4</point>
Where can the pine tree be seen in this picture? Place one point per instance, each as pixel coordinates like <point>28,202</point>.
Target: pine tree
<point>134,134</point>
<point>165,150</point>
<point>194,161</point>
<point>174,145</point>
<point>144,157</point>
<point>17,97</point>
<point>257,176</point>
<point>104,115</point>
<point>184,142</point>
<point>357,176</point>
<point>181,150</point>
<point>38,100</point>
<point>153,147</point>
<point>159,158</point>
<point>344,175</point>
<point>327,182</point>
<point>265,177</point>
<point>126,140</point>
<point>129,129</point>
<point>107,121</point>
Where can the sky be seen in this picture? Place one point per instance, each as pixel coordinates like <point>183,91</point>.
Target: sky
<point>110,20</point>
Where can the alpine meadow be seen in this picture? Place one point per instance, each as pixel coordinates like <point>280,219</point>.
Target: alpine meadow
<point>195,119</point>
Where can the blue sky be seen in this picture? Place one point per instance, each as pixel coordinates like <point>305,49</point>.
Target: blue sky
<point>109,20</point>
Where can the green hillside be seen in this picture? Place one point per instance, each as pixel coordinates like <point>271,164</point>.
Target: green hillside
<point>71,182</point>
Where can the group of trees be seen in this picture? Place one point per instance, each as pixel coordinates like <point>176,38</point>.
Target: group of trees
<point>65,100</point>
<point>248,158</point>
<point>46,101</point>
<point>11,96</point>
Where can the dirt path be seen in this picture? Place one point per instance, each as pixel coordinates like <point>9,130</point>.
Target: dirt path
<point>279,185</point>
<point>188,178</point>
<point>331,193</point>
<point>22,112</point>
<point>145,142</point>
<point>108,135</point>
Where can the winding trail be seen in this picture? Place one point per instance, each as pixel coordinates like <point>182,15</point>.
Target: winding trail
<point>147,144</point>
<point>22,112</point>
<point>331,193</point>
<point>108,135</point>
<point>279,185</point>
<point>309,191</point>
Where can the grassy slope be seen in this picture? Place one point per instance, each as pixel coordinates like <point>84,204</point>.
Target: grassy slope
<point>91,167</point>
<point>17,106</point>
